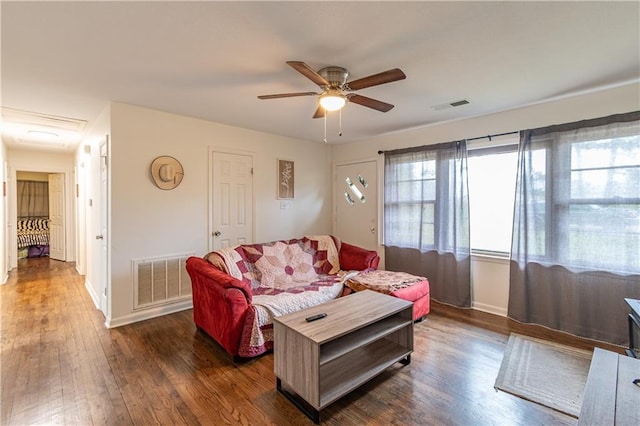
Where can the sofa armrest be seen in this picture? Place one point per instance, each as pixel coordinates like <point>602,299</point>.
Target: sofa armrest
<point>199,267</point>
<point>220,303</point>
<point>357,258</point>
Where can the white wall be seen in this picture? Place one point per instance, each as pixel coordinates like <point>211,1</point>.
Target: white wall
<point>149,222</point>
<point>490,277</point>
<point>490,284</point>
<point>48,162</point>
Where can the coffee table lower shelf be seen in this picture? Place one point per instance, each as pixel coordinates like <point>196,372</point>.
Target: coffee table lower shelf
<point>309,410</point>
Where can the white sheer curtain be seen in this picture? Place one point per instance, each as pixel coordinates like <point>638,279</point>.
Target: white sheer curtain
<point>576,237</point>
<point>33,198</point>
<point>426,218</point>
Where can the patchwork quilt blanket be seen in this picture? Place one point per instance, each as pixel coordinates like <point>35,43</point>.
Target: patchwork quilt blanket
<point>284,277</point>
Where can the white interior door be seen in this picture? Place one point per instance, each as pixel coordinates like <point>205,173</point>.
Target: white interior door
<point>102,237</point>
<point>232,200</point>
<point>56,217</point>
<point>356,201</point>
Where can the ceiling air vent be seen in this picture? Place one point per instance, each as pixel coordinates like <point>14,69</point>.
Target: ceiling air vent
<point>35,119</point>
<point>450,105</point>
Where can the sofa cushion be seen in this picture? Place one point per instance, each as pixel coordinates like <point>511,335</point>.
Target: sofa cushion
<point>399,284</point>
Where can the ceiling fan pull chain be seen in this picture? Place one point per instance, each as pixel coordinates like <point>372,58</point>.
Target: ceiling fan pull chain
<point>325,127</point>
<point>340,129</point>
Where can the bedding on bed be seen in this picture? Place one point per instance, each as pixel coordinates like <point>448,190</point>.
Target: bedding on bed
<point>33,232</point>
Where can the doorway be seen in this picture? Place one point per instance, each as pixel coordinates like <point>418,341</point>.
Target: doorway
<point>57,235</point>
<point>39,215</point>
<point>104,229</point>
<point>231,218</point>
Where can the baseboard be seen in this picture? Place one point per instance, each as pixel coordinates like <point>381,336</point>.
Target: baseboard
<point>149,313</point>
<point>490,309</point>
<point>92,294</point>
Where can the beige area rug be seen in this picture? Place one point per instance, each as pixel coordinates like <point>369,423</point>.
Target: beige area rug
<point>544,372</point>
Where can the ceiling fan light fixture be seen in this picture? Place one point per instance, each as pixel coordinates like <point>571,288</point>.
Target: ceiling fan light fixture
<point>333,100</point>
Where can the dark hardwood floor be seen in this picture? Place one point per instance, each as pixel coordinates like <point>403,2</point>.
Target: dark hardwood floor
<point>60,365</point>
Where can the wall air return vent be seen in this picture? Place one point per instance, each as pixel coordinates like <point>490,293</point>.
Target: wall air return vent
<point>160,281</point>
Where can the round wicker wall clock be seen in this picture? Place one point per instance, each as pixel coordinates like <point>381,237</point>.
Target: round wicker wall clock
<point>166,172</point>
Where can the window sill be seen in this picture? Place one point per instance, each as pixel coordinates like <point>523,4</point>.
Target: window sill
<point>490,256</point>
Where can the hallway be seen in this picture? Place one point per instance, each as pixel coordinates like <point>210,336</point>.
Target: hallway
<point>54,369</point>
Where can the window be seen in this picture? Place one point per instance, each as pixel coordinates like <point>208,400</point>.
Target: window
<point>410,211</point>
<point>583,208</point>
<point>576,231</point>
<point>426,198</point>
<point>492,183</point>
<point>426,217</point>
<point>599,205</point>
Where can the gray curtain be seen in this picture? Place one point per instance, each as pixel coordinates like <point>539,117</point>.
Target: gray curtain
<point>426,218</point>
<point>33,198</point>
<point>575,252</point>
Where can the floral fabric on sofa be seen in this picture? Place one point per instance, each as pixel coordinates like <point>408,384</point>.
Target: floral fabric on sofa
<point>284,277</point>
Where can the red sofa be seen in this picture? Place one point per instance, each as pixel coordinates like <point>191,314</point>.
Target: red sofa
<point>226,283</point>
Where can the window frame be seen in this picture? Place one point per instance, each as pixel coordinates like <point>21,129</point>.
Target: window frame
<point>507,145</point>
<point>559,201</point>
<point>421,203</point>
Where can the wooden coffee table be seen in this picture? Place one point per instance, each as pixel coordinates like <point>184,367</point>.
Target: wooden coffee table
<point>323,360</point>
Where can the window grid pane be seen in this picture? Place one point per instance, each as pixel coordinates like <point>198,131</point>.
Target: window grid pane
<point>410,212</point>
<point>603,205</point>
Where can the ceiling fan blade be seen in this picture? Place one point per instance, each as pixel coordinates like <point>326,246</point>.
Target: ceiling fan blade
<point>308,72</point>
<point>370,103</point>
<point>319,112</point>
<point>287,95</point>
<point>376,79</point>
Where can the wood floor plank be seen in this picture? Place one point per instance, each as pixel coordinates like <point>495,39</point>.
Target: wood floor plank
<point>60,365</point>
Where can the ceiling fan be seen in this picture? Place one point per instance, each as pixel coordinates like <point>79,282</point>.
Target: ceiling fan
<point>333,82</point>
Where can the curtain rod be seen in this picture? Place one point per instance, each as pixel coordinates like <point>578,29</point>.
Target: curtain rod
<point>493,136</point>
<point>483,137</point>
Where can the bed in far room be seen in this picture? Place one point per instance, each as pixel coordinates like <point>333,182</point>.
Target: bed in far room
<point>33,237</point>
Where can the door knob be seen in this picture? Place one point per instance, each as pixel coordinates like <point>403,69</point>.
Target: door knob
<point>373,229</point>
<point>217,234</point>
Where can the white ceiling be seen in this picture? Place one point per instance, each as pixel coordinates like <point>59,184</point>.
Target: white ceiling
<point>211,59</point>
